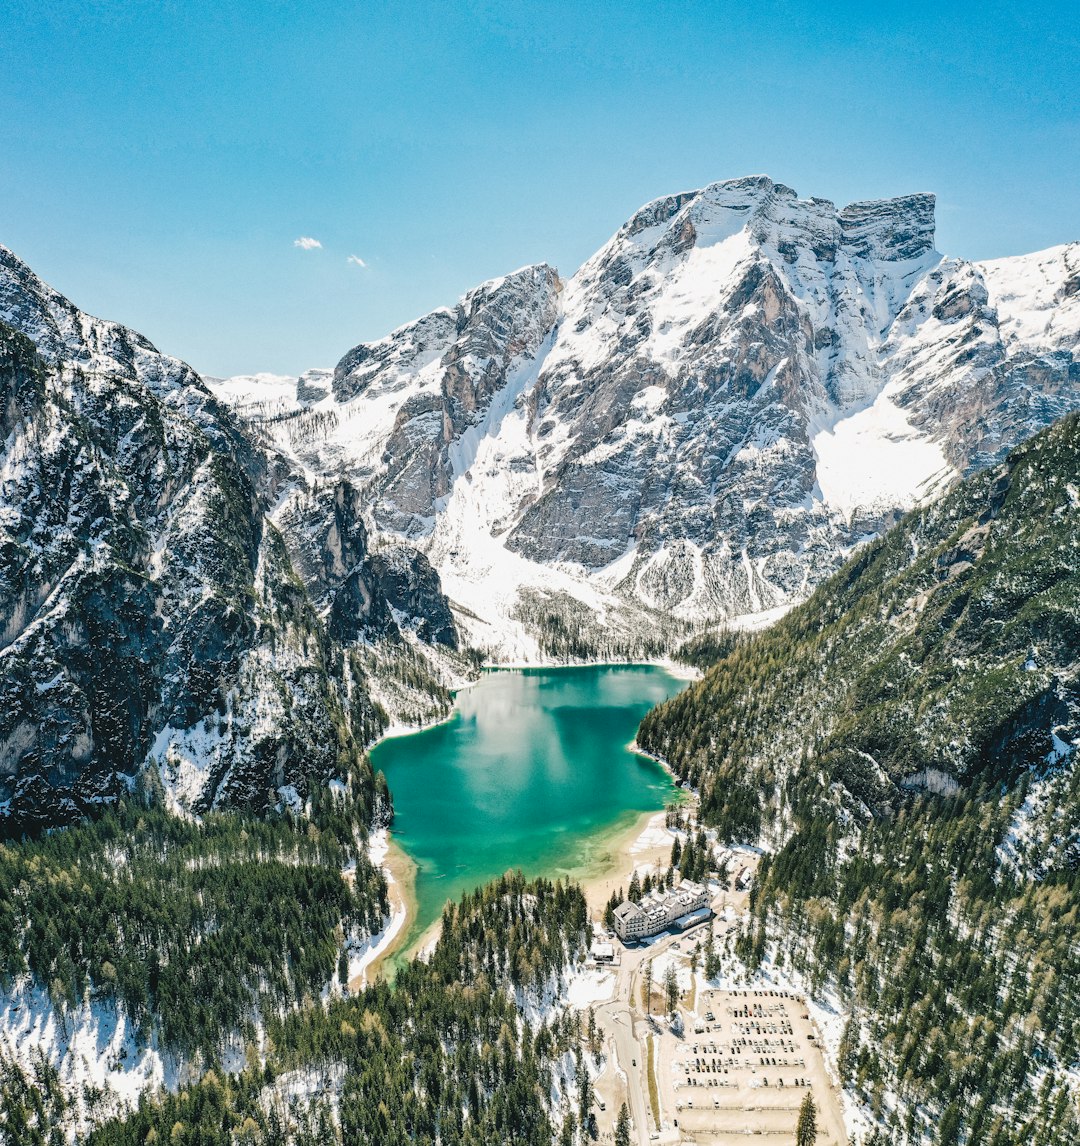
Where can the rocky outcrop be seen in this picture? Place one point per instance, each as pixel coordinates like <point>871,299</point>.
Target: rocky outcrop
<point>64,334</point>
<point>449,366</point>
<point>152,611</point>
<point>413,589</point>
<point>702,422</point>
<point>364,595</point>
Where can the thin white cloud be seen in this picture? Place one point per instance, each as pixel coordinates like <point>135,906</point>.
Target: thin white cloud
<point>356,261</point>
<point>307,243</point>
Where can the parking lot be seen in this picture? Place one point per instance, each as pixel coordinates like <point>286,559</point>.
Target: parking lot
<point>742,1066</point>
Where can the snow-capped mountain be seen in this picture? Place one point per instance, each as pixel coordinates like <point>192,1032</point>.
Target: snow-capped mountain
<point>149,610</point>
<point>241,580</point>
<point>699,424</point>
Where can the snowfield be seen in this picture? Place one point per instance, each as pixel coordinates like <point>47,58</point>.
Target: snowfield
<point>703,421</point>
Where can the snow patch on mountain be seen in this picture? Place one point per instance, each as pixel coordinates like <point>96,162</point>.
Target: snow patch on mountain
<point>265,395</point>
<point>702,422</point>
<point>875,459</point>
<point>1037,297</point>
<point>102,1066</point>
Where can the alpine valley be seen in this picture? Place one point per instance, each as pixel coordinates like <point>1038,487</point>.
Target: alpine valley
<point>789,444</point>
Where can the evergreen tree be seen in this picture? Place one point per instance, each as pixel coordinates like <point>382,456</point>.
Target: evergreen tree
<point>671,990</point>
<point>622,1127</point>
<point>806,1130</point>
<point>848,1051</point>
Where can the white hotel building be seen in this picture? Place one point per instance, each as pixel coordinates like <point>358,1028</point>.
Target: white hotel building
<point>657,912</point>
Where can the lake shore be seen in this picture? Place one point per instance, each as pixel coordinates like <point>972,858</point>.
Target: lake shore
<point>611,856</point>
<point>400,871</point>
<point>598,856</point>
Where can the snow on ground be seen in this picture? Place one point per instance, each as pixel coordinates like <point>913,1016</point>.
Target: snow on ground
<point>1040,835</point>
<point>379,847</point>
<point>540,1005</point>
<point>495,470</point>
<point>1030,296</point>
<point>874,459</point>
<point>262,395</point>
<point>94,1045</point>
<point>363,954</point>
<point>185,758</point>
<point>588,985</point>
<point>676,958</point>
<point>694,285</point>
<point>655,835</point>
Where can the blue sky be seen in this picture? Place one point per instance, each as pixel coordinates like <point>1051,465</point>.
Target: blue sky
<point>159,160</point>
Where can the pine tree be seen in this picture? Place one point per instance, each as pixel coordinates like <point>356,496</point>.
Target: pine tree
<point>609,912</point>
<point>806,1131</point>
<point>671,990</point>
<point>848,1052</point>
<point>622,1127</point>
<point>646,987</point>
<point>634,894</point>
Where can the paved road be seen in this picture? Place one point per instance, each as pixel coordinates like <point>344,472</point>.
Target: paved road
<point>617,1019</point>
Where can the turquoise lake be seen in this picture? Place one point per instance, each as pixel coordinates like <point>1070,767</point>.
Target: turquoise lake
<point>533,770</point>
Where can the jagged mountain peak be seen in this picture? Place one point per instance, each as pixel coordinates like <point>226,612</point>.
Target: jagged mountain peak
<point>738,387</point>
<point>153,612</point>
<point>895,229</point>
<point>64,334</point>
<point>492,318</point>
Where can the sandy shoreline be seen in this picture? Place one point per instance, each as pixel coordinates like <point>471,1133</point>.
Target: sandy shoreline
<point>609,856</point>
<point>644,843</point>
<point>400,871</point>
<point>644,847</point>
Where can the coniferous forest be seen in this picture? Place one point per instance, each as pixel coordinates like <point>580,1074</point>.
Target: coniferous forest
<point>902,742</point>
<point>439,1057</point>
<point>200,932</point>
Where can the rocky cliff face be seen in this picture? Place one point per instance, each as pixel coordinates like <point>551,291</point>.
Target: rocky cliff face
<point>734,391</point>
<point>150,609</point>
<point>437,377</point>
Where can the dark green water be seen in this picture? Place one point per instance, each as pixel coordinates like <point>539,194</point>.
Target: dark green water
<point>532,771</point>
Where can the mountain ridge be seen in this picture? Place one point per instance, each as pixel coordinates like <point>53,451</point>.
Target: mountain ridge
<point>151,613</point>
<point>732,393</point>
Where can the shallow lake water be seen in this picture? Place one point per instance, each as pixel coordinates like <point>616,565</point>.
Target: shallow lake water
<point>533,771</point>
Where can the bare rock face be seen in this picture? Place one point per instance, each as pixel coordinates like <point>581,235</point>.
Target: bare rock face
<point>739,387</point>
<point>695,353</point>
<point>365,595</point>
<point>152,614</point>
<point>413,589</point>
<point>448,367</point>
<point>314,385</point>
